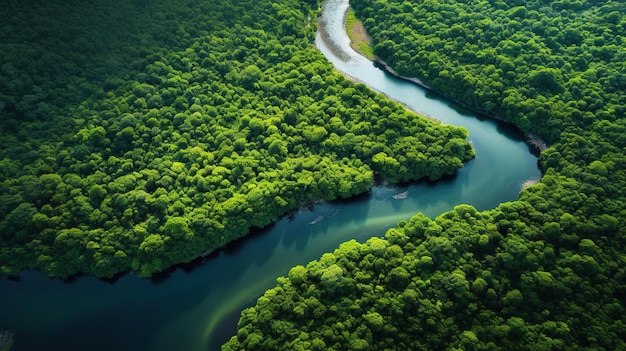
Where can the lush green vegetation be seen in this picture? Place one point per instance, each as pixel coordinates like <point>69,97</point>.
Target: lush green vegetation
<point>546,272</point>
<point>141,134</point>
<point>544,65</point>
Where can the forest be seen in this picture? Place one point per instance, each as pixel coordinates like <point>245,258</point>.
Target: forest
<point>545,272</point>
<point>142,134</point>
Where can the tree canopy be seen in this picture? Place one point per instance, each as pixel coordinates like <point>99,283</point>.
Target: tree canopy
<point>142,134</point>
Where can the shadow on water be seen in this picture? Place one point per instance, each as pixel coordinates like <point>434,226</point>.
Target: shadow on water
<point>231,249</point>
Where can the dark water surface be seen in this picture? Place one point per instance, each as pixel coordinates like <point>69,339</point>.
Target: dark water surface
<point>197,307</point>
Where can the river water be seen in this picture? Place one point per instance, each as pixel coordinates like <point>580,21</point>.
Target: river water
<point>197,306</point>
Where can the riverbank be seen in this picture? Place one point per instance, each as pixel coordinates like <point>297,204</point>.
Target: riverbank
<point>333,46</point>
<point>533,140</point>
<point>337,49</point>
<point>360,41</point>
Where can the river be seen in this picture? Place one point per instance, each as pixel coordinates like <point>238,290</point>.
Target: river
<point>197,306</point>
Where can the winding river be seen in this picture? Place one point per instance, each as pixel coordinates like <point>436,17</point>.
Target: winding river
<point>197,307</point>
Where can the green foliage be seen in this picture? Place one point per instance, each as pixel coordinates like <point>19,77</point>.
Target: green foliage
<point>164,135</point>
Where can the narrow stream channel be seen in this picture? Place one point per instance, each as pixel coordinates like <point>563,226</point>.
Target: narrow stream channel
<point>197,307</point>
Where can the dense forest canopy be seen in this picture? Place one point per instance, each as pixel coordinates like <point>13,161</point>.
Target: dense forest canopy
<point>545,65</point>
<point>546,272</point>
<point>141,134</point>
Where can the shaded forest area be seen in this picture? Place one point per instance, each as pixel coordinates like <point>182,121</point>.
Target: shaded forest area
<point>546,272</point>
<point>142,134</point>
